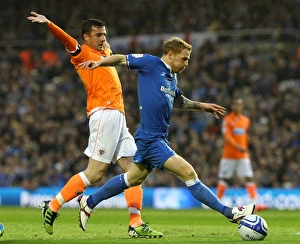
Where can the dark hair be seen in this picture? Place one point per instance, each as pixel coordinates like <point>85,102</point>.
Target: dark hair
<point>87,25</point>
<point>176,44</point>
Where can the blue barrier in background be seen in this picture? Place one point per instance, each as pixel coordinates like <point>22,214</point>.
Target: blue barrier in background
<point>159,197</point>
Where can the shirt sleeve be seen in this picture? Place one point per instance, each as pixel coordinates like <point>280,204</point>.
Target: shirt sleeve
<point>68,41</point>
<point>178,93</point>
<point>141,62</point>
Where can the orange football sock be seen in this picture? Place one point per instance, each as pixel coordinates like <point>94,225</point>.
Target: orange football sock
<point>74,187</point>
<point>252,190</point>
<point>134,198</point>
<point>221,188</point>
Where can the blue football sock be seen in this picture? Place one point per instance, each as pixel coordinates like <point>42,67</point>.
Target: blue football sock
<point>112,187</point>
<point>203,194</point>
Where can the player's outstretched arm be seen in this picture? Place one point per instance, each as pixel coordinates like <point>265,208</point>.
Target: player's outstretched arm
<point>184,103</point>
<point>68,41</point>
<point>38,18</point>
<point>117,59</point>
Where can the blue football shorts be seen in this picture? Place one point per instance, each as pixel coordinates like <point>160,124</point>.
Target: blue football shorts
<point>153,149</point>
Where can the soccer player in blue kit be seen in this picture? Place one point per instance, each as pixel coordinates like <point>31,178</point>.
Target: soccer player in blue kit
<point>158,94</point>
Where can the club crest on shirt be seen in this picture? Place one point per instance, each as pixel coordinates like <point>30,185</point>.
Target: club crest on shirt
<point>138,55</point>
<point>101,151</point>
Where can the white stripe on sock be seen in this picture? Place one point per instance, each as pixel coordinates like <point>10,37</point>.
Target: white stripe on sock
<point>191,182</point>
<point>126,180</point>
<point>60,199</point>
<point>134,211</point>
<point>84,179</point>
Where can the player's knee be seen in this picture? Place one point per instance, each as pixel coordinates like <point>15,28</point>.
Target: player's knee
<point>94,176</point>
<point>125,163</point>
<point>135,181</point>
<point>189,174</point>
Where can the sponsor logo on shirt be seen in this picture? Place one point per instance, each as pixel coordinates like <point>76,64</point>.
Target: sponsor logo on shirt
<point>168,91</point>
<point>138,55</point>
<point>239,131</point>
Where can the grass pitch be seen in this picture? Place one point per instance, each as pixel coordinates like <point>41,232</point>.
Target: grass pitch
<point>23,225</point>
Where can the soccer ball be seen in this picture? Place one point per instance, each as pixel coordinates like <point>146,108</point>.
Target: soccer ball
<point>1,229</point>
<point>253,228</point>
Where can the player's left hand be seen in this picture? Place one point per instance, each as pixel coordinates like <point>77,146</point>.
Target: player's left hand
<point>88,64</point>
<point>215,109</point>
<point>38,18</point>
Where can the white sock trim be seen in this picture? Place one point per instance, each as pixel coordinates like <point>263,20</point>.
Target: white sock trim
<point>126,180</point>
<point>192,182</point>
<point>84,179</point>
<point>132,210</point>
<point>60,199</point>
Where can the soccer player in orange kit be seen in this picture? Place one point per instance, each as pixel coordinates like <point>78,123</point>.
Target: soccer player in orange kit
<point>235,156</point>
<point>109,140</point>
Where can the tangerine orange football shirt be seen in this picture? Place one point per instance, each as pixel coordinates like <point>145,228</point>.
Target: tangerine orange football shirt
<point>235,132</point>
<point>102,85</point>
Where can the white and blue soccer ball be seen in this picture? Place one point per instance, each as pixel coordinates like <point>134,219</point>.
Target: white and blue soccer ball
<point>1,229</point>
<point>253,228</point>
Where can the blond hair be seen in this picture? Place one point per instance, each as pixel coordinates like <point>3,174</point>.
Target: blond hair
<point>176,45</point>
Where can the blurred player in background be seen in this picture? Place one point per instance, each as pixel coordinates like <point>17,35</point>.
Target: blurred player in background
<point>109,140</point>
<point>235,156</point>
<point>158,94</point>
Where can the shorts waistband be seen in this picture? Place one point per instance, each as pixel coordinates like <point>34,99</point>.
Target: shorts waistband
<point>94,110</point>
<point>155,129</point>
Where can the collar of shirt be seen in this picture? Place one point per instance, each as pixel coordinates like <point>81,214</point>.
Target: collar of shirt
<point>169,67</point>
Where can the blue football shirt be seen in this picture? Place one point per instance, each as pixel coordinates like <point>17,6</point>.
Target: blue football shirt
<point>157,89</point>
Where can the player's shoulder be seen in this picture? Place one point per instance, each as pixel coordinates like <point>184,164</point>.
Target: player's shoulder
<point>245,117</point>
<point>143,60</point>
<point>141,56</point>
<point>229,116</point>
<point>245,120</point>
<point>84,49</point>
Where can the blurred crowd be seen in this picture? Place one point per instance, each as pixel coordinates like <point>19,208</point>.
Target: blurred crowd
<point>127,17</point>
<point>43,124</point>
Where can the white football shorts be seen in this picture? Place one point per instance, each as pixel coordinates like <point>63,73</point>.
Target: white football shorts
<point>242,167</point>
<point>109,138</point>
